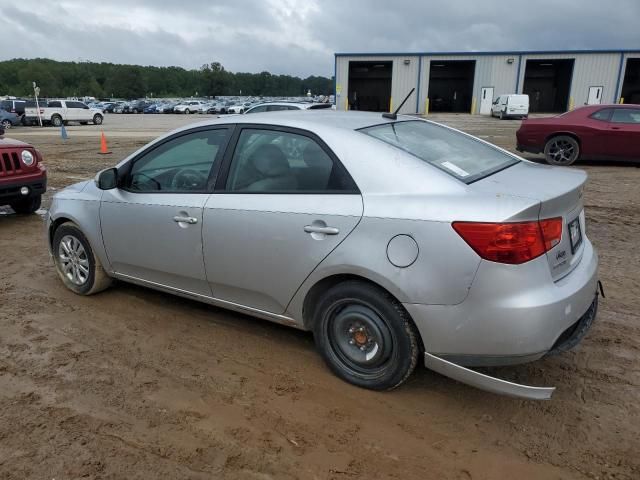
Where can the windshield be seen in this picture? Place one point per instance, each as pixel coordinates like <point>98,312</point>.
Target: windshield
<point>461,156</point>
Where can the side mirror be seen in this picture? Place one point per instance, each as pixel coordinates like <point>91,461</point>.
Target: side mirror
<point>107,179</point>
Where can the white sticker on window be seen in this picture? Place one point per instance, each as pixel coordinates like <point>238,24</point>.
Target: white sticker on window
<point>455,169</point>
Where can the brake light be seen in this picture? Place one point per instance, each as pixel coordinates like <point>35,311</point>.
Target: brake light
<point>511,243</point>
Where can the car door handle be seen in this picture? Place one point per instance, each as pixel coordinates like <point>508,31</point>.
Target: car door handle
<point>189,220</point>
<point>320,229</point>
<point>615,128</point>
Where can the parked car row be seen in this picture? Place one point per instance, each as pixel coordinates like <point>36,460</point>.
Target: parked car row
<point>216,107</point>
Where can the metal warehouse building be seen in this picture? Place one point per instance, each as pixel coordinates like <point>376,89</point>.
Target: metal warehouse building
<point>470,81</point>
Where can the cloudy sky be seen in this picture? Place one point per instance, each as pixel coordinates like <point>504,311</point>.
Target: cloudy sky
<point>299,37</point>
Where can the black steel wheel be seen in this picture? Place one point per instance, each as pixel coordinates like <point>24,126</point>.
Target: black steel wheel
<point>365,335</point>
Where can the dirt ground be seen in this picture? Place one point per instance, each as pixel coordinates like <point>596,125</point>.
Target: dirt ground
<point>136,384</point>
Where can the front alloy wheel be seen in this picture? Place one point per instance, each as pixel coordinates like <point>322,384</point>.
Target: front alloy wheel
<point>73,259</point>
<point>365,336</point>
<point>562,150</point>
<point>77,266</point>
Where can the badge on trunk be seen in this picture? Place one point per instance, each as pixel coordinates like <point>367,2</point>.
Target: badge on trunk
<point>575,235</point>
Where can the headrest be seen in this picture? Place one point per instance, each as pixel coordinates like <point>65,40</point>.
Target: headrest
<point>270,161</point>
<point>314,156</point>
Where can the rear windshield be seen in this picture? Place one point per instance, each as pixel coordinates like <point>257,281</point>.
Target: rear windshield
<point>461,156</point>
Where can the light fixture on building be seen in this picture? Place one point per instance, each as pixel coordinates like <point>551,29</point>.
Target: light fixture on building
<point>510,60</point>
<point>407,61</point>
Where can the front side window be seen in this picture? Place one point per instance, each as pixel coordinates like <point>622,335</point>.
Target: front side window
<point>182,164</point>
<point>459,155</point>
<point>626,115</point>
<point>273,161</point>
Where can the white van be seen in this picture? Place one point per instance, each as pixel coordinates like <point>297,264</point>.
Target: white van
<point>513,105</point>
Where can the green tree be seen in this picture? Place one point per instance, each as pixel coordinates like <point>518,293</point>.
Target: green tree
<point>64,79</point>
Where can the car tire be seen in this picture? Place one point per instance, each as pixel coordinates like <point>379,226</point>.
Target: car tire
<point>80,271</point>
<point>56,121</point>
<point>501,115</point>
<point>97,119</point>
<point>365,335</point>
<point>6,124</point>
<point>28,205</point>
<point>561,150</point>
<point>186,111</point>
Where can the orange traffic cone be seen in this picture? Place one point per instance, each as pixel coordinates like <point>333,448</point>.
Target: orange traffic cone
<point>103,145</point>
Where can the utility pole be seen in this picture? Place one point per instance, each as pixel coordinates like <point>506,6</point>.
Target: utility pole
<point>36,91</point>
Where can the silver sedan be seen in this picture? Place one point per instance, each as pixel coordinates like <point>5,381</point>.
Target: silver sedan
<point>391,239</point>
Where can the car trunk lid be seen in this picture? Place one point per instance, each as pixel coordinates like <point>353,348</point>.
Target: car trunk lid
<point>559,192</point>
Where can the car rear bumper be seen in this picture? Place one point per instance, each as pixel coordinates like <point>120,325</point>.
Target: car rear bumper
<point>10,187</point>
<point>512,314</point>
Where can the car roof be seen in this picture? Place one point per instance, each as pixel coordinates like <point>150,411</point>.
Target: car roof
<point>587,109</point>
<point>310,120</point>
<point>285,102</point>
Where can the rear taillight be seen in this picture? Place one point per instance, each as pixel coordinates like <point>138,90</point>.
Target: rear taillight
<point>511,243</point>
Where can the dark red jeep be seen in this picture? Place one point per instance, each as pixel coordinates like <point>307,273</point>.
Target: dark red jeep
<point>23,178</point>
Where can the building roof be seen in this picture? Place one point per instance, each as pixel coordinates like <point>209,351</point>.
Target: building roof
<point>471,53</point>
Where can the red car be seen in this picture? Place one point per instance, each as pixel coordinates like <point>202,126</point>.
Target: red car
<point>23,178</point>
<point>601,132</point>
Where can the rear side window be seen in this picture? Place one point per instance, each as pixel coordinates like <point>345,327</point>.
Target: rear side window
<point>273,161</point>
<point>276,108</point>
<point>602,115</point>
<point>260,109</point>
<point>626,115</point>
<point>461,156</point>
<point>55,104</point>
<point>320,106</point>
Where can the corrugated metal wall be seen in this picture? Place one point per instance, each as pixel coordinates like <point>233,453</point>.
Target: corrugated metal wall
<point>589,70</point>
<point>490,71</point>
<point>404,77</point>
<point>623,69</point>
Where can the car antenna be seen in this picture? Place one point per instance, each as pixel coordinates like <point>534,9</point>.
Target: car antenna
<point>394,115</point>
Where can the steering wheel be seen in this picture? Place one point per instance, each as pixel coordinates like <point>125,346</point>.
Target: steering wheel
<point>188,179</point>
